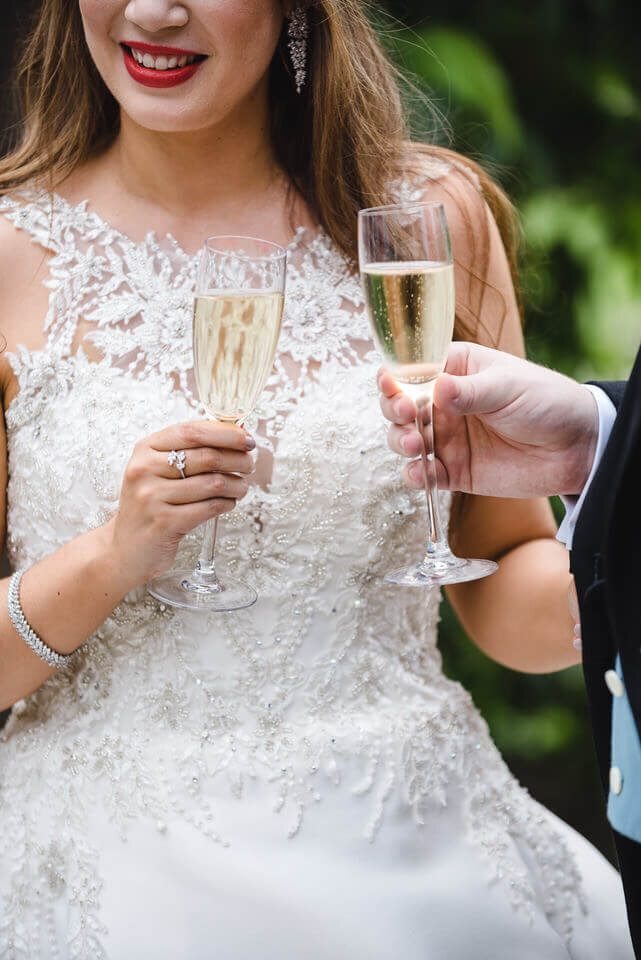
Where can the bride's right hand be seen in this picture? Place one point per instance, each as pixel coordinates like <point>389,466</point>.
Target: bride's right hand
<point>158,507</point>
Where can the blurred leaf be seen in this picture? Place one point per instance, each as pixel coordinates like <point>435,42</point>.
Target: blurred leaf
<point>549,729</point>
<point>462,69</point>
<point>607,305</point>
<point>615,95</point>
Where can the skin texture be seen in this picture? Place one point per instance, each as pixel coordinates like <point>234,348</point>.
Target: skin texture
<point>215,126</point>
<point>196,160</point>
<point>502,426</point>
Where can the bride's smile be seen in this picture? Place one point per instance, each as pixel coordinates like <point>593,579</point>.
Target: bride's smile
<point>160,66</point>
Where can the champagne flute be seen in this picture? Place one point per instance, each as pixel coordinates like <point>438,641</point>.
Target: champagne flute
<point>407,272</point>
<point>237,316</point>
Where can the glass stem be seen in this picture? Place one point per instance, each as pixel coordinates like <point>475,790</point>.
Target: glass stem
<point>205,572</point>
<point>437,545</point>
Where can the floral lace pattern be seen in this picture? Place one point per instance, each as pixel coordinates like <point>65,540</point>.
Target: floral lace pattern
<point>332,680</point>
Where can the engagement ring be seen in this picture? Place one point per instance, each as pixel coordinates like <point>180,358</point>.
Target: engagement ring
<point>177,459</point>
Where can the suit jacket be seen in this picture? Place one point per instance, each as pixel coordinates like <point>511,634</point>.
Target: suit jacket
<point>606,562</point>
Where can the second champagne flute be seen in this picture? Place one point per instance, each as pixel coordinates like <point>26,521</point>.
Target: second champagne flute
<point>237,316</point>
<point>407,270</point>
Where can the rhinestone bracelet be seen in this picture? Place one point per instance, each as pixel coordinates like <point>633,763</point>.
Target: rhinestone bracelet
<point>30,636</point>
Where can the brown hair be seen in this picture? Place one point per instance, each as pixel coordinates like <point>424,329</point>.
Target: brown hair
<point>343,141</point>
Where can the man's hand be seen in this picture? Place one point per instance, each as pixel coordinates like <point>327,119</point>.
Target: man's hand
<point>503,427</point>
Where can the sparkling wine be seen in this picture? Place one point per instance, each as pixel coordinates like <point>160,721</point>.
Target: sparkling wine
<point>411,306</point>
<point>235,337</point>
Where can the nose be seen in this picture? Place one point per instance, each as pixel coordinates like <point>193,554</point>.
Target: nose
<point>156,15</point>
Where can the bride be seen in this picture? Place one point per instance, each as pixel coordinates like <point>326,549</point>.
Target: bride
<point>296,780</point>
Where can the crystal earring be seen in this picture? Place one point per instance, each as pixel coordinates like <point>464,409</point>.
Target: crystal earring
<point>297,34</point>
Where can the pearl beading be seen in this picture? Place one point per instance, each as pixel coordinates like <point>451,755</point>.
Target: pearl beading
<point>331,690</point>
<point>27,633</point>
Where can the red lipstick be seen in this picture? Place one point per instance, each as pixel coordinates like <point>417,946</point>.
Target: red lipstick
<point>150,77</point>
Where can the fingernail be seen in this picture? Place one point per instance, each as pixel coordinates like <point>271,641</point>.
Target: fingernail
<point>576,643</point>
<point>250,443</point>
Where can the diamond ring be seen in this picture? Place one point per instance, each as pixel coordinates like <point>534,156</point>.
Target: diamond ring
<point>177,459</point>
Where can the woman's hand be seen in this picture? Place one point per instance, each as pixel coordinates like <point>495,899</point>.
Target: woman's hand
<point>503,427</point>
<point>575,613</point>
<point>158,507</point>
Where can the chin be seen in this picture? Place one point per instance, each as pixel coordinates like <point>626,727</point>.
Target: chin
<point>166,114</point>
<point>166,121</point>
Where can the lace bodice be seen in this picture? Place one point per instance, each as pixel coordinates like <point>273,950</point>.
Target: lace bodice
<point>333,680</point>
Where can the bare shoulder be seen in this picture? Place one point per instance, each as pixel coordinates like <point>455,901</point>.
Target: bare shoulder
<point>487,302</point>
<point>447,177</point>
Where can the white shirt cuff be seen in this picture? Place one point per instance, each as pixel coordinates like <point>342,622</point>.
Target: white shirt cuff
<point>607,415</point>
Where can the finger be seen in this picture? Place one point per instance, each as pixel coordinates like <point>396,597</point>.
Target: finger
<point>188,516</point>
<point>484,392</point>
<point>203,460</point>
<point>206,486</point>
<point>405,440</point>
<point>399,408</point>
<point>464,358</point>
<point>414,475</point>
<point>202,433</point>
<point>573,601</point>
<point>386,383</point>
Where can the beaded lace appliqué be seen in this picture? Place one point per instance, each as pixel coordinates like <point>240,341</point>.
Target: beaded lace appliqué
<point>331,680</point>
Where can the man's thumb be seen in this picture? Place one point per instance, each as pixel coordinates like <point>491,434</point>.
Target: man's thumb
<point>475,393</point>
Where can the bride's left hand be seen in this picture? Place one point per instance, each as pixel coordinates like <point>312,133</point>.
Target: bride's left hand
<point>573,605</point>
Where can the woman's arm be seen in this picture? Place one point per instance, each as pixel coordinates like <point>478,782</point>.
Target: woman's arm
<point>66,596</point>
<point>519,615</point>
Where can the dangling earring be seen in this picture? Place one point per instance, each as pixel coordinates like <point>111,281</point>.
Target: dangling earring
<point>297,34</point>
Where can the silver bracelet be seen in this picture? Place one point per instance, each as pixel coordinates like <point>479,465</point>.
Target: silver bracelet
<point>30,636</point>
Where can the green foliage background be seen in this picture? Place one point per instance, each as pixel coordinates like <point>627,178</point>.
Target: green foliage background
<point>546,96</point>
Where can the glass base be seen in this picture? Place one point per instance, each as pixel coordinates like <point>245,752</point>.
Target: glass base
<point>438,572</point>
<point>178,589</point>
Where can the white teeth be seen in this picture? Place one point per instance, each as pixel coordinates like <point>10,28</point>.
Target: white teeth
<point>160,63</point>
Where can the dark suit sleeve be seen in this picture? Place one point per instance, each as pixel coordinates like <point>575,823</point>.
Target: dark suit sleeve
<point>613,388</point>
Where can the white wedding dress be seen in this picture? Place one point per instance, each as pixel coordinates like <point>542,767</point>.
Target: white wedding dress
<point>298,780</point>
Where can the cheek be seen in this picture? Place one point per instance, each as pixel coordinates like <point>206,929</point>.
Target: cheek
<point>97,15</point>
<point>245,33</point>
<point>97,19</point>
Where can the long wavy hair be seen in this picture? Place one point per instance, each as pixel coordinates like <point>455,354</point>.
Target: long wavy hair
<point>343,142</point>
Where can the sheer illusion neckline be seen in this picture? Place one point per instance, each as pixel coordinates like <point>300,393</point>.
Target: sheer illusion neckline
<point>152,238</point>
